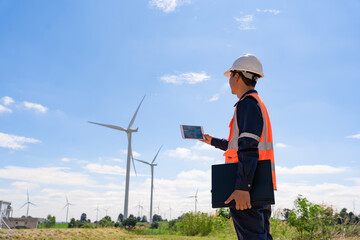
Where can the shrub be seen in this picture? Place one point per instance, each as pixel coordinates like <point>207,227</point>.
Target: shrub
<point>49,221</point>
<point>194,224</point>
<point>311,221</point>
<point>154,225</point>
<point>130,221</point>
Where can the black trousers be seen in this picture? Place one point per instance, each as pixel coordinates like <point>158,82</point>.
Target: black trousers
<point>252,224</point>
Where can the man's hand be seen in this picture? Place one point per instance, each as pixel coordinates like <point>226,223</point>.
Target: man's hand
<point>242,199</point>
<point>207,138</point>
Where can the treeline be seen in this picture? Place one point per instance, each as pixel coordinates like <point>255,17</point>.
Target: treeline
<point>306,220</point>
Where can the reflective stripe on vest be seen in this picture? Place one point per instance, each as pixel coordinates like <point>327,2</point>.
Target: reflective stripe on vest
<point>265,146</point>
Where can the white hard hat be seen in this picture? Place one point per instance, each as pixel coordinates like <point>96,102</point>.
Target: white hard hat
<point>247,63</point>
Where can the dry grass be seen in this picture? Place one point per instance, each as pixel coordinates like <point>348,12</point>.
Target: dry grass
<point>80,233</point>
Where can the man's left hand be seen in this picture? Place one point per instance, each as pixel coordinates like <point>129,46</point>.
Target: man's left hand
<point>242,199</point>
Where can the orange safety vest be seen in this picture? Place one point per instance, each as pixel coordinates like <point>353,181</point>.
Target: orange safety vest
<point>265,146</point>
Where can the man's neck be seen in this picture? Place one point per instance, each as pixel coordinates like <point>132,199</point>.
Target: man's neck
<point>244,90</point>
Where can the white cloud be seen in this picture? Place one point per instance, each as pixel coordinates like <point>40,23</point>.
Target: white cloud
<point>105,169</point>
<point>15,142</point>
<point>45,175</point>
<point>135,154</point>
<point>65,159</point>
<point>187,154</point>
<point>273,11</point>
<point>214,98</point>
<point>187,78</point>
<point>35,106</point>
<point>4,109</point>
<point>117,160</point>
<point>108,169</point>
<point>7,100</point>
<point>331,194</point>
<point>245,22</point>
<point>356,136</point>
<point>168,6</point>
<point>310,169</point>
<point>203,146</point>
<point>25,185</point>
<point>281,145</point>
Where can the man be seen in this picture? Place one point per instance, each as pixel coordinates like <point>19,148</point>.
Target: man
<point>250,141</point>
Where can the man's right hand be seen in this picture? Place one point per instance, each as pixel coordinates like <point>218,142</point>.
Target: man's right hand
<point>207,138</point>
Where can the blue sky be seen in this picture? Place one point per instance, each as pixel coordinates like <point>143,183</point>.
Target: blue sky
<point>64,63</point>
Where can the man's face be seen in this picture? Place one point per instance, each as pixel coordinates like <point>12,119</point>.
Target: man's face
<point>233,82</point>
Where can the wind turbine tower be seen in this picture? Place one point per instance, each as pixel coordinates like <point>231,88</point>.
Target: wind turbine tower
<point>196,199</point>
<point>28,204</point>
<point>152,165</point>
<point>67,206</point>
<point>128,131</point>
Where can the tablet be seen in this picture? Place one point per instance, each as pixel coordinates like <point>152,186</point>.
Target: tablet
<point>192,132</point>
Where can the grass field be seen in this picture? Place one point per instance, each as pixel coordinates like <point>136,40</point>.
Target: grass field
<point>107,233</point>
<point>99,233</point>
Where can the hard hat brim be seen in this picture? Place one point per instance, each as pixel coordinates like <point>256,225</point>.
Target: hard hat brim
<point>228,72</point>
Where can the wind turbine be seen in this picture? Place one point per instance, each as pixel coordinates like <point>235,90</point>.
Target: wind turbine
<point>170,211</point>
<point>97,212</point>
<point>28,203</point>
<point>196,199</point>
<point>128,131</point>
<point>67,206</point>
<point>152,165</point>
<point>106,211</point>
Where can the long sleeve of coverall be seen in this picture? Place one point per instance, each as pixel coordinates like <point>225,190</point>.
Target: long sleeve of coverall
<point>250,120</point>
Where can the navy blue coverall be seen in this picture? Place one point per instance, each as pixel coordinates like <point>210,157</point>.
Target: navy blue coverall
<point>250,224</point>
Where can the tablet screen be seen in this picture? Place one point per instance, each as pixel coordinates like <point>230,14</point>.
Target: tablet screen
<point>192,132</point>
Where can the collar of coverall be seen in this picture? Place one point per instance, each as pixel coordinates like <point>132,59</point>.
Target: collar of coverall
<point>248,92</point>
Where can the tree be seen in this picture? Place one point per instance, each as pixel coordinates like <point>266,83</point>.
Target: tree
<point>83,217</point>
<point>310,220</point>
<point>49,221</point>
<point>72,223</point>
<point>130,221</point>
<point>157,218</point>
<point>121,217</point>
<point>138,219</point>
<point>106,222</point>
<point>285,213</point>
<point>144,219</point>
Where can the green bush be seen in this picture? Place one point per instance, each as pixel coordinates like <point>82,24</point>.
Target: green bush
<point>312,221</point>
<point>130,221</point>
<point>154,225</point>
<point>196,224</point>
<point>49,221</point>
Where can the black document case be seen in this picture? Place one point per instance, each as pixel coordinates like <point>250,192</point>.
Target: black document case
<point>223,179</point>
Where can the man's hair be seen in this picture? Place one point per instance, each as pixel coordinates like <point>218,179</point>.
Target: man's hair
<point>247,81</point>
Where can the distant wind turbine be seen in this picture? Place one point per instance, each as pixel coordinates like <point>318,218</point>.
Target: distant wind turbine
<point>97,212</point>
<point>28,204</point>
<point>128,131</point>
<point>152,165</point>
<point>196,199</point>
<point>67,206</point>
<point>170,210</point>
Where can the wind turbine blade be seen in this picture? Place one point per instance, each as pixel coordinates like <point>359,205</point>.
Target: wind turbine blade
<point>67,201</point>
<point>133,163</point>
<point>22,206</point>
<point>156,154</point>
<point>196,192</point>
<point>33,204</point>
<point>28,195</point>
<point>109,126</point>
<point>65,206</point>
<point>133,119</point>
<point>142,161</point>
